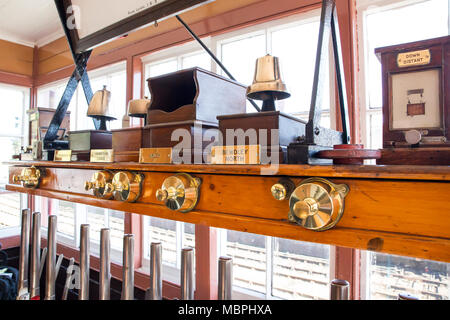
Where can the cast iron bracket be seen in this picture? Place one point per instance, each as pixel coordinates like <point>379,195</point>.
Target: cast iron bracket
<point>78,75</point>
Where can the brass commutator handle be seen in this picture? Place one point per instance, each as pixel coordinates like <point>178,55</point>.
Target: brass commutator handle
<point>317,204</point>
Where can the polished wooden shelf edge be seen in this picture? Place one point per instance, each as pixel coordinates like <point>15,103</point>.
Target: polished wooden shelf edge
<point>425,247</point>
<point>430,173</point>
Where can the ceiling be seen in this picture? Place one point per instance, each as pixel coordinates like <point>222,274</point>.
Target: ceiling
<point>28,22</point>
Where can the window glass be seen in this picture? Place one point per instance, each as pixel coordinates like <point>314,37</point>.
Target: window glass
<point>249,259</point>
<point>10,210</point>
<point>117,227</point>
<point>201,60</point>
<point>165,232</point>
<point>300,270</point>
<point>13,136</point>
<point>157,69</point>
<point>299,59</point>
<point>239,58</point>
<point>390,275</point>
<point>96,218</point>
<point>66,218</point>
<point>189,235</point>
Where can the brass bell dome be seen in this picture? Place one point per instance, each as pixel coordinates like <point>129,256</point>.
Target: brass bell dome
<point>99,108</point>
<point>267,84</point>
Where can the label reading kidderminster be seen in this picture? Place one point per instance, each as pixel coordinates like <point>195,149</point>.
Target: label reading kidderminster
<point>414,58</point>
<point>236,155</point>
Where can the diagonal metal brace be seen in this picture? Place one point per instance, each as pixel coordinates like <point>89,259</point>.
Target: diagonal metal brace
<point>79,74</point>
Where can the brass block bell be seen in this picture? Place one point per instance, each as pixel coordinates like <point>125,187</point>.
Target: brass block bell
<point>30,177</point>
<point>98,184</point>
<point>99,107</point>
<point>180,192</point>
<point>138,108</point>
<point>126,186</point>
<point>267,84</point>
<point>317,204</point>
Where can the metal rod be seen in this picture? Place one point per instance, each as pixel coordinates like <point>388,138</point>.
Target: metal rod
<point>155,271</point>
<point>128,267</point>
<point>105,264</point>
<point>69,278</point>
<point>22,292</point>
<point>406,296</point>
<point>213,57</point>
<point>340,290</point>
<point>187,274</point>
<point>35,256</point>
<point>340,77</point>
<point>84,263</point>
<point>51,259</point>
<point>225,291</point>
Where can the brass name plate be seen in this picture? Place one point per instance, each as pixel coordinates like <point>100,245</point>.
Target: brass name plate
<point>102,156</point>
<point>63,155</point>
<point>414,58</point>
<point>155,155</point>
<point>236,154</point>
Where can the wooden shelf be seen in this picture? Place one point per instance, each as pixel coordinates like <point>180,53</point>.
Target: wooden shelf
<point>400,210</point>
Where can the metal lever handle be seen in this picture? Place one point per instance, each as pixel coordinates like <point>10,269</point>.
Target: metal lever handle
<point>187,274</point>
<point>225,291</point>
<point>128,268</point>
<point>340,290</point>
<point>68,279</point>
<point>84,262</point>
<point>42,262</point>
<point>105,264</point>
<point>51,261</point>
<point>155,291</point>
<point>23,293</point>
<point>35,254</point>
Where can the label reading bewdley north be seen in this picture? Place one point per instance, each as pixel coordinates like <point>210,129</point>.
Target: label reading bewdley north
<point>236,155</point>
<point>414,58</point>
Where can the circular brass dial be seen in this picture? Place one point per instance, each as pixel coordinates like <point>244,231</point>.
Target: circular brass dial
<point>180,192</point>
<point>98,184</point>
<point>317,204</point>
<point>29,177</point>
<point>126,186</point>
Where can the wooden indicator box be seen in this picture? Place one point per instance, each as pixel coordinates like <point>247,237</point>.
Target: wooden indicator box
<point>288,128</point>
<point>189,100</point>
<point>82,142</point>
<point>416,102</point>
<point>126,144</point>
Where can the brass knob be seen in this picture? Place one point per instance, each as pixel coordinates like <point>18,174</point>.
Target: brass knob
<point>98,184</point>
<point>282,190</point>
<point>180,192</point>
<point>126,186</point>
<point>29,177</point>
<point>317,204</point>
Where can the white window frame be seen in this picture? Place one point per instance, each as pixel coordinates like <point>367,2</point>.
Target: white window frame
<point>170,273</point>
<point>240,293</point>
<point>365,7</point>
<point>267,29</point>
<point>80,209</point>
<point>15,230</point>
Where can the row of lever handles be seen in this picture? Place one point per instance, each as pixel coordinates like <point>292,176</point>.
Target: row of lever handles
<point>30,289</point>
